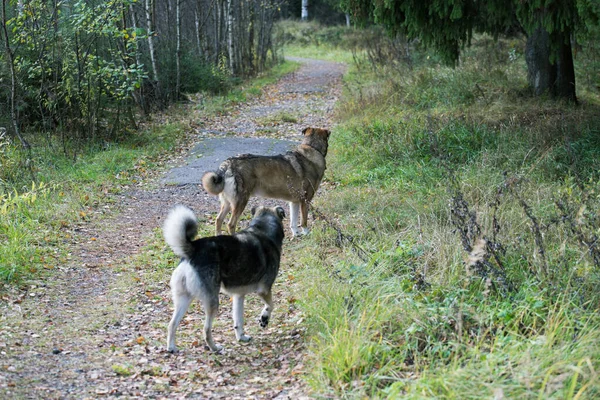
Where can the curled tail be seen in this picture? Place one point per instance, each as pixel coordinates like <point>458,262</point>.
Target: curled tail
<point>213,182</point>
<point>179,229</point>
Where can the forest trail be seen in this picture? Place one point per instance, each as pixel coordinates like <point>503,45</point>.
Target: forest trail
<point>97,328</point>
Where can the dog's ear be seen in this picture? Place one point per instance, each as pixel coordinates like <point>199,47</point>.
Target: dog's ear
<point>253,210</point>
<point>306,130</point>
<point>280,212</point>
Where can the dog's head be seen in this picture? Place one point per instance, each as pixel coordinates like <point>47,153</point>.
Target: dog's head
<point>268,220</point>
<point>317,138</point>
<point>261,210</point>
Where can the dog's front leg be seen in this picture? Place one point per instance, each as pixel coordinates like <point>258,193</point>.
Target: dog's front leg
<point>294,208</point>
<point>238,318</point>
<point>304,217</point>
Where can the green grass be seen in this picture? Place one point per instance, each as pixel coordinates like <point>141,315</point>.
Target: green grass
<point>320,53</point>
<point>73,182</point>
<point>311,40</point>
<point>36,219</point>
<point>122,370</point>
<point>247,90</point>
<point>396,311</point>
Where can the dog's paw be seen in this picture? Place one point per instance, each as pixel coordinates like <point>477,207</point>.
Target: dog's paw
<point>215,348</point>
<point>297,233</point>
<point>172,349</point>
<point>244,338</point>
<point>263,320</point>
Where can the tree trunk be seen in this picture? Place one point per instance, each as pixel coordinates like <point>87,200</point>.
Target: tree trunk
<point>550,72</point>
<point>230,33</point>
<point>565,70</point>
<point>219,30</point>
<point>178,49</point>
<point>197,32</point>
<point>13,80</point>
<point>304,15</point>
<point>138,96</point>
<point>250,52</point>
<point>150,32</point>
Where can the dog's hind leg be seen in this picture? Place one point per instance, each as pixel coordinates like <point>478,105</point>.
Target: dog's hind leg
<point>181,302</point>
<point>225,207</point>
<point>265,315</point>
<point>238,318</point>
<point>236,212</point>
<point>211,308</point>
<point>294,207</point>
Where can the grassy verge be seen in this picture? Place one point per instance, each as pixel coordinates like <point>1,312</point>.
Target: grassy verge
<point>35,220</point>
<point>45,192</point>
<point>455,251</point>
<point>311,40</point>
<point>214,105</point>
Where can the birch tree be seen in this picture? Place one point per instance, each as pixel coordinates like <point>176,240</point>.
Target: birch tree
<point>178,49</point>
<point>150,34</point>
<point>79,67</point>
<point>137,94</point>
<point>10,59</point>
<point>304,13</point>
<point>230,36</point>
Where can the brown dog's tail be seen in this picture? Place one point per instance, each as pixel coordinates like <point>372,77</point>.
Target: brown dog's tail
<point>213,182</point>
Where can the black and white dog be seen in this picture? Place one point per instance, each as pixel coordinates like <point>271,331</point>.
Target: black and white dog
<point>247,262</point>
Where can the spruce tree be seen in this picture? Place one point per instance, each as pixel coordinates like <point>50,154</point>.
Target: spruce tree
<point>448,26</point>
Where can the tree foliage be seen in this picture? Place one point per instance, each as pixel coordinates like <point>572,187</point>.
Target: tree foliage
<point>87,67</point>
<point>448,25</point>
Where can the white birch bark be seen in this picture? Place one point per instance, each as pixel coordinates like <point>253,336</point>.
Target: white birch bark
<point>149,13</point>
<point>304,15</point>
<point>197,24</point>
<point>178,48</point>
<point>230,33</point>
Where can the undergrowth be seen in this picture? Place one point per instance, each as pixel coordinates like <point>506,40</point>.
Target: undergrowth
<point>454,253</point>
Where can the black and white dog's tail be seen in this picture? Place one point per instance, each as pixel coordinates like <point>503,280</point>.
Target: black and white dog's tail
<point>180,229</point>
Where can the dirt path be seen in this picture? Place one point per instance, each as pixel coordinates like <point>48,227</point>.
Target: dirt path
<point>97,329</point>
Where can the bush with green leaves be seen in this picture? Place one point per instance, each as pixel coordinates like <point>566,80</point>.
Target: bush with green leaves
<point>89,75</point>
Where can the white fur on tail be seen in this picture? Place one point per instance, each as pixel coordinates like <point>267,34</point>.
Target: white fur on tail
<point>179,229</point>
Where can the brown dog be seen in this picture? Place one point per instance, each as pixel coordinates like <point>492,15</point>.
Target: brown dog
<point>294,176</point>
